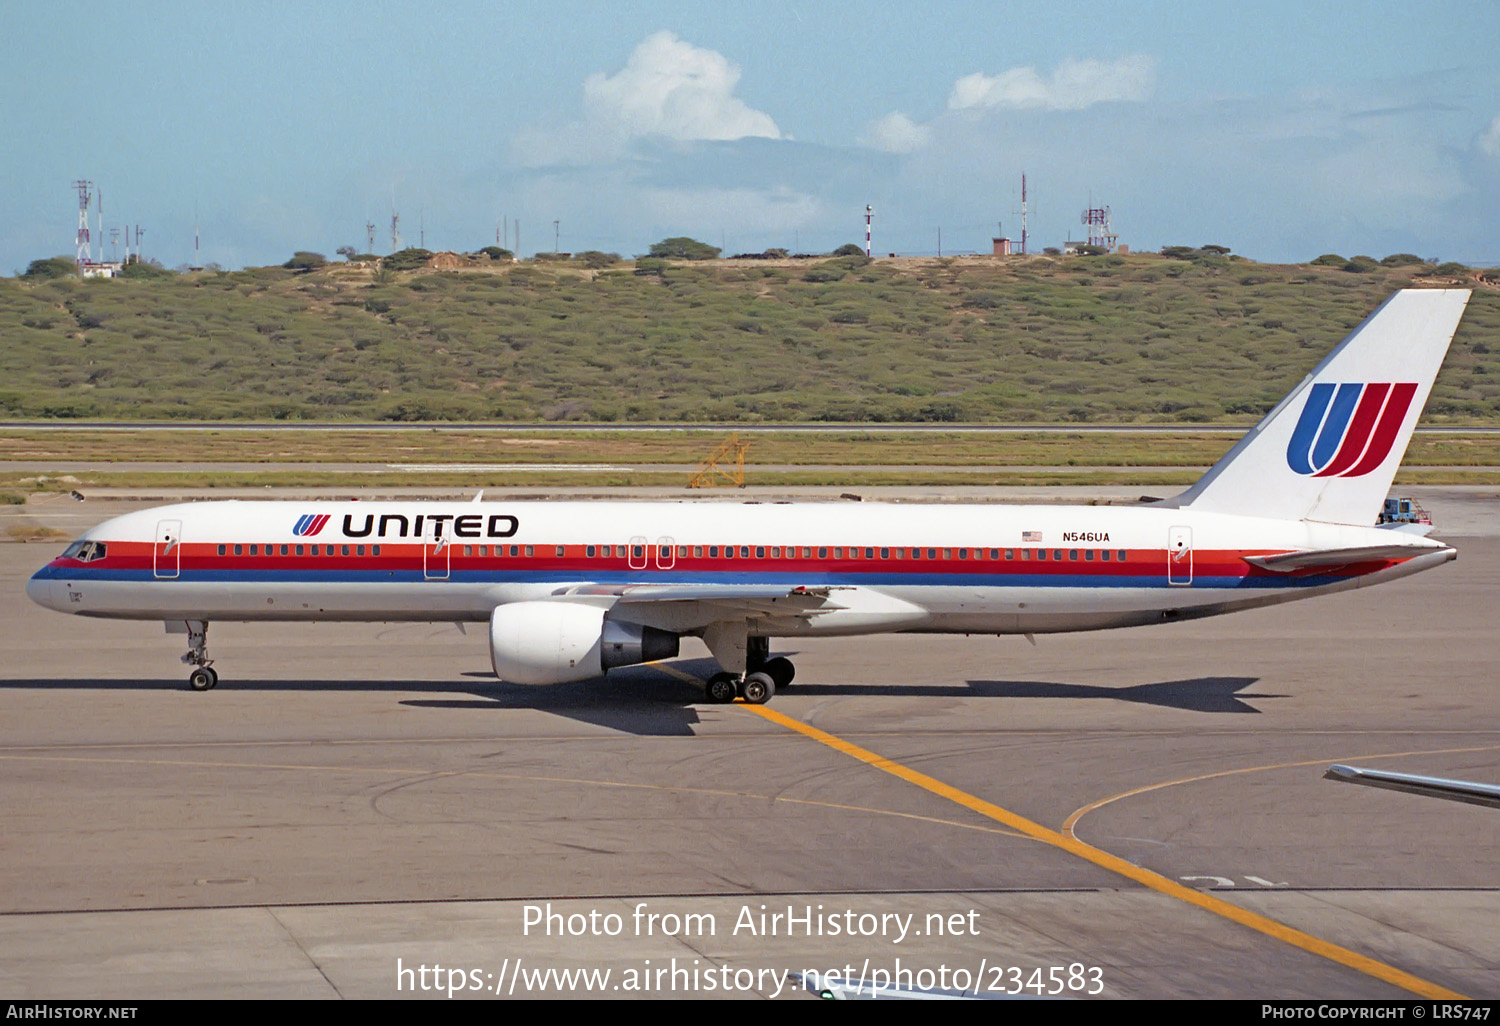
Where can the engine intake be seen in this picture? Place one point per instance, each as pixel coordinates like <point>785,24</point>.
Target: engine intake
<point>560,642</point>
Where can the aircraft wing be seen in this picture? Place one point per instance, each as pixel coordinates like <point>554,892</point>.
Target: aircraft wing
<point>1435,787</point>
<point>1287,562</point>
<point>748,599</point>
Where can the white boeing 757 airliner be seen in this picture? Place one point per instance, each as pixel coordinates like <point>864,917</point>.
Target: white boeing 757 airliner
<point>573,589</point>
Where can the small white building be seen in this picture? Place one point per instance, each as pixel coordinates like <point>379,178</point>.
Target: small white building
<point>99,269</point>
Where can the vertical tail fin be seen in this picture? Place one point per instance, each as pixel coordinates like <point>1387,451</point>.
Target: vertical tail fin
<point>1330,450</point>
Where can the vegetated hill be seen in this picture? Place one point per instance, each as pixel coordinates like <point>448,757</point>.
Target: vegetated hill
<point>1138,338</point>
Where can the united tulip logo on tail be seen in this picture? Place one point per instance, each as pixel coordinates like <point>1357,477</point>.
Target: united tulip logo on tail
<point>1347,430</point>
<point>310,524</point>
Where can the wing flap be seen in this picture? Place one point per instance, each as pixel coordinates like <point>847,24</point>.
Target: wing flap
<point>746,599</point>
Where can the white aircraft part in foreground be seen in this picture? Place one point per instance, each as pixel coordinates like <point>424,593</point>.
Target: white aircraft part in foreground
<point>571,590</point>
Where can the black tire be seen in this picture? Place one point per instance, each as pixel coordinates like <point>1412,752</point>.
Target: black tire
<point>202,679</point>
<point>758,688</point>
<point>780,670</point>
<point>721,688</point>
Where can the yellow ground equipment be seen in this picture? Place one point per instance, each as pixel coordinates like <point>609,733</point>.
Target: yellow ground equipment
<point>726,465</point>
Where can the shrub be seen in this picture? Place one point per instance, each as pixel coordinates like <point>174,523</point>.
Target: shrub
<point>593,259</point>
<point>650,266</point>
<point>1361,265</point>
<point>304,261</point>
<point>147,270</point>
<point>496,253</point>
<point>406,259</point>
<point>50,267</point>
<point>848,249</point>
<point>1402,260</point>
<point>1329,260</point>
<point>683,248</point>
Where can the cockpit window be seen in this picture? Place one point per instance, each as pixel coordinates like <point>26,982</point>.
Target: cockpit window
<point>84,551</point>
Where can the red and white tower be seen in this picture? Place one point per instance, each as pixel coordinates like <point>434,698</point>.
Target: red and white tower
<point>85,254</point>
<point>1023,214</point>
<point>869,215</point>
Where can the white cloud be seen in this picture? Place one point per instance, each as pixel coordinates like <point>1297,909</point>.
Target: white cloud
<point>672,89</point>
<point>895,133</point>
<point>1074,85</point>
<point>1489,142</point>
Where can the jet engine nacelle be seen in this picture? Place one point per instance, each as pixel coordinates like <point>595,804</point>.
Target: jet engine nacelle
<point>559,642</point>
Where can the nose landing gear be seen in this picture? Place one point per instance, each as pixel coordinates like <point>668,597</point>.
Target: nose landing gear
<point>204,677</point>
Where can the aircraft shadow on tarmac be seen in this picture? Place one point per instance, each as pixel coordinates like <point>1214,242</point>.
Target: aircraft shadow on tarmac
<point>644,701</point>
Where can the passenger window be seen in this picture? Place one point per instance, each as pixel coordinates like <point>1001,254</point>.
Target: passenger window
<point>1105,555</point>
<point>1025,554</point>
<point>530,551</point>
<point>239,550</point>
<point>713,552</point>
<point>283,550</point>
<point>376,551</point>
<point>806,553</point>
<point>682,550</point>
<point>1057,553</point>
<point>823,552</point>
<point>869,553</point>
<point>589,551</point>
<point>995,554</point>
<point>916,553</point>
<point>560,550</point>
<point>885,553</point>
<point>255,550</point>
<point>345,550</point>
<point>744,552</point>
<point>1010,554</point>
<point>760,552</point>
<point>838,553</point>
<point>932,553</point>
<point>1073,555</point>
<point>221,550</point>
<point>484,550</point>
<point>1088,555</point>
<point>314,550</point>
<point>1041,553</point>
<point>947,553</point>
<point>775,551</point>
<point>300,550</point>
<point>359,551</point>
<point>1122,555</point>
<point>963,553</point>
<point>468,550</point>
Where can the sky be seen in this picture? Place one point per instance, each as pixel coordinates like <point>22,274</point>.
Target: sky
<point>1283,130</point>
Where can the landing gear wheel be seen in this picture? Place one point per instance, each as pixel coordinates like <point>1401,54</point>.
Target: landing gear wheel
<point>780,670</point>
<point>203,679</point>
<point>758,688</point>
<point>721,688</point>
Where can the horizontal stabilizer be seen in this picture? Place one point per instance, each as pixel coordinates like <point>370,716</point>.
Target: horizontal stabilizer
<point>1286,562</point>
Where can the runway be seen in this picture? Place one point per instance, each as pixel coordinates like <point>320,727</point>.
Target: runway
<point>355,795</point>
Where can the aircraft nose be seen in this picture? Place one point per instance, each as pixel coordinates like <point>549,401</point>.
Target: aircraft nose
<point>39,590</point>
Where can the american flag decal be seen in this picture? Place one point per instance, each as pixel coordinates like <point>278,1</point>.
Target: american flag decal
<point>1031,536</point>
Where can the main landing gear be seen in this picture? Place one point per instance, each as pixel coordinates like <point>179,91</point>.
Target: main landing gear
<point>756,687</point>
<point>204,677</point>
